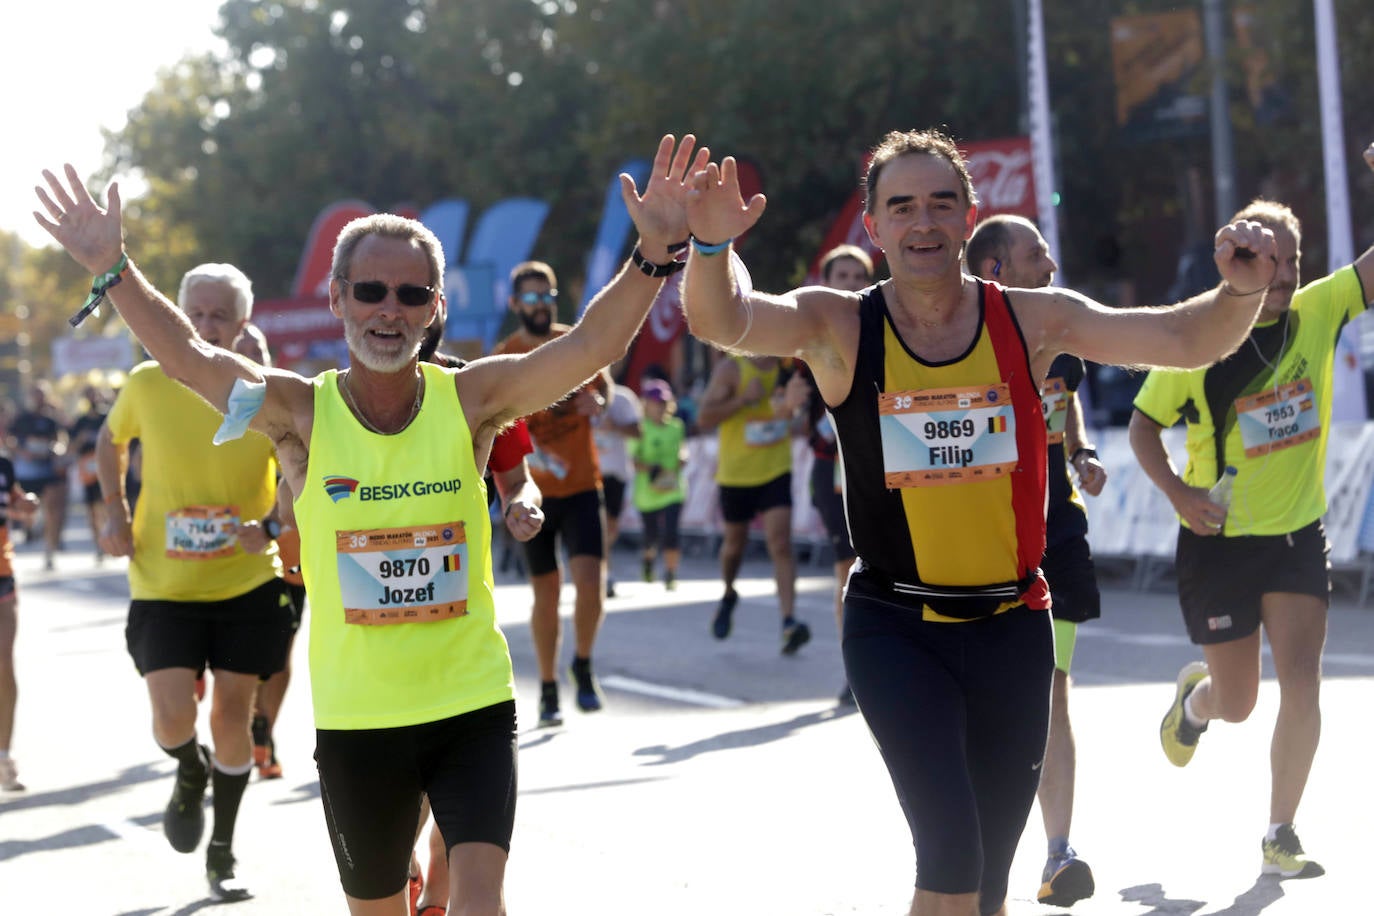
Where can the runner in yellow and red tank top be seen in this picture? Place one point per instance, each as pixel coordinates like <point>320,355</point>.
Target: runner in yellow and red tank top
<point>933,382</point>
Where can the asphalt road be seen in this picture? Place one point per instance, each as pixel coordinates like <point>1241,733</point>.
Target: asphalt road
<point>720,779</point>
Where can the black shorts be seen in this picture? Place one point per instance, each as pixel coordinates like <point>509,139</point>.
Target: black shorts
<point>250,634</point>
<point>829,502</point>
<point>1068,567</point>
<point>960,713</point>
<point>37,485</point>
<point>1222,579</point>
<point>8,588</point>
<point>613,489</point>
<point>739,505</point>
<point>90,493</point>
<point>371,781</point>
<point>661,527</point>
<point>581,523</point>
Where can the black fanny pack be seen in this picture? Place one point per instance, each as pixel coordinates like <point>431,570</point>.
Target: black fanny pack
<point>962,602</point>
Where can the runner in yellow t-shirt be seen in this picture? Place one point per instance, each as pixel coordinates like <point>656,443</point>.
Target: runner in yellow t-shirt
<point>1265,410</point>
<point>204,578</point>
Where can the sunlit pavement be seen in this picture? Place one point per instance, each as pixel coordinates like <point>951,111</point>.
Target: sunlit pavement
<point>721,778</point>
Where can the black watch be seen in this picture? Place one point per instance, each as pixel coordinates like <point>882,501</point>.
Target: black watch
<point>650,269</point>
<point>272,527</point>
<point>1082,452</point>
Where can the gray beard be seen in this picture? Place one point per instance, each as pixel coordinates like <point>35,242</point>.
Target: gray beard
<point>360,347</point>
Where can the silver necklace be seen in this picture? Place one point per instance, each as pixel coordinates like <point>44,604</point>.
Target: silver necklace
<point>347,387</point>
<point>1283,344</point>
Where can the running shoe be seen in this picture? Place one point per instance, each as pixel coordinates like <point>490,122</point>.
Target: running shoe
<point>9,776</point>
<point>720,626</point>
<point>670,581</point>
<point>795,634</point>
<point>549,715</point>
<point>1283,856</point>
<point>1066,880</point>
<point>184,820</point>
<point>270,768</point>
<point>610,588</point>
<point>225,885</point>
<point>1177,735</point>
<point>648,571</point>
<point>588,690</point>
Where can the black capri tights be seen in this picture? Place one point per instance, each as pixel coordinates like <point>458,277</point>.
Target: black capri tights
<point>960,713</point>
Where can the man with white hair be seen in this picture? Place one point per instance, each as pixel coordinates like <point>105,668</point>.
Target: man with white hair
<point>204,578</point>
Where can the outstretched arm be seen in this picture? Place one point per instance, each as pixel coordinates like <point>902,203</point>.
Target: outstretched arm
<point>718,310</point>
<point>1184,336</point>
<point>502,388</point>
<point>94,237</point>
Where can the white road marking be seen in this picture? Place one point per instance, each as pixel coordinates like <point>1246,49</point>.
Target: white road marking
<point>678,694</point>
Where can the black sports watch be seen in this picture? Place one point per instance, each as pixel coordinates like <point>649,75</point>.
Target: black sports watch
<point>272,527</point>
<point>1086,451</point>
<point>650,269</point>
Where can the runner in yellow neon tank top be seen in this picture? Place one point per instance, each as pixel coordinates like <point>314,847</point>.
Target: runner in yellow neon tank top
<point>949,661</point>
<point>385,285</point>
<point>1266,410</point>
<point>755,413</point>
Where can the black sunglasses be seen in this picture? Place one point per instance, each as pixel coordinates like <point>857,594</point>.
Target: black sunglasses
<point>374,291</point>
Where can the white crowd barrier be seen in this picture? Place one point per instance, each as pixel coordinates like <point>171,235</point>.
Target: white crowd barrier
<point>1131,519</point>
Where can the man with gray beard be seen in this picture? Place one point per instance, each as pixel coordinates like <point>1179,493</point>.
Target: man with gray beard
<point>411,678</point>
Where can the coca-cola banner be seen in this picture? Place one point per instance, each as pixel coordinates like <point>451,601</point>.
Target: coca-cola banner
<point>1002,176</point>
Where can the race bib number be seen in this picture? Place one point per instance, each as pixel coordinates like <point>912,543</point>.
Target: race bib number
<point>403,575</point>
<point>548,462</point>
<point>946,436</point>
<point>1054,404</point>
<point>202,532</point>
<point>1278,419</point>
<point>761,433</point>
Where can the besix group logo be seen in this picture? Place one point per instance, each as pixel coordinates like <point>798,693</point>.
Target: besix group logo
<point>340,487</point>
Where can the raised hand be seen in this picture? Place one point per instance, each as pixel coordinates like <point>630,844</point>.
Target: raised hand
<point>92,236</point>
<point>716,211</point>
<point>1245,255</point>
<point>660,214</point>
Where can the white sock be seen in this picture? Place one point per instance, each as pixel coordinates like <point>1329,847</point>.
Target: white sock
<point>1273,833</point>
<point>1193,718</point>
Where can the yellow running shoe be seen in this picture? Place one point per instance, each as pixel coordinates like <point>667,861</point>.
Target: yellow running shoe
<point>1176,734</point>
<point>1283,856</point>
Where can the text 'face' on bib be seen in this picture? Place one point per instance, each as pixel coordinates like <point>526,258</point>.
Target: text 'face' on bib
<point>403,575</point>
<point>1278,418</point>
<point>202,532</point>
<point>943,436</point>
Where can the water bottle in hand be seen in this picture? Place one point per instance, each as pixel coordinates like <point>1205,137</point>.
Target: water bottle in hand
<point>1222,489</point>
